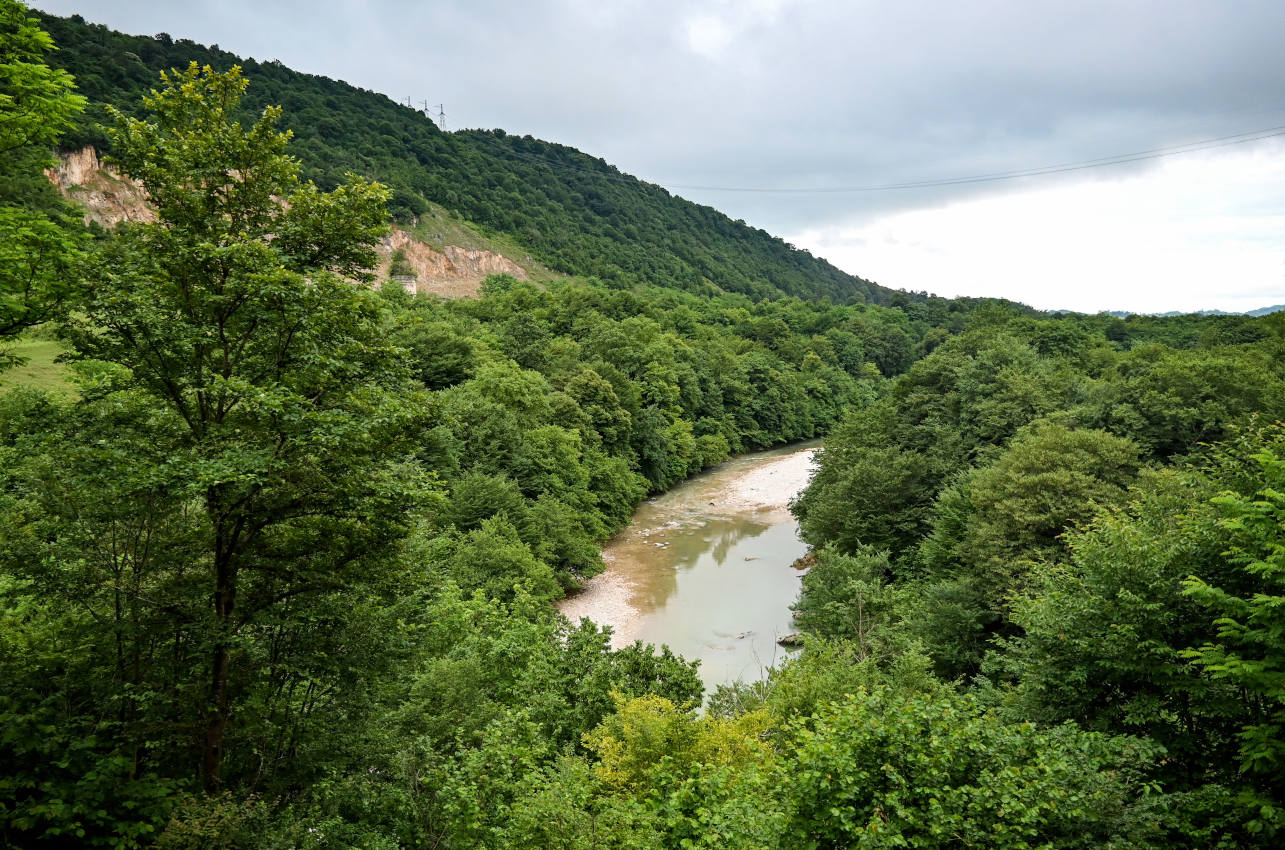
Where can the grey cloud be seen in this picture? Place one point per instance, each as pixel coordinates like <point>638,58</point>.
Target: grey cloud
<point>790,94</point>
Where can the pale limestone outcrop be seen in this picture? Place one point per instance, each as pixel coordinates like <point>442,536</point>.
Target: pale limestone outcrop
<point>109,198</point>
<point>451,272</point>
<point>105,196</point>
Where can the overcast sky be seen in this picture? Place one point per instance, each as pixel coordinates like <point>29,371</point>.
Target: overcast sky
<point>807,107</point>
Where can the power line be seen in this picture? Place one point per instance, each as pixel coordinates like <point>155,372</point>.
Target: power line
<point>1060,168</point>
<point>1101,162</point>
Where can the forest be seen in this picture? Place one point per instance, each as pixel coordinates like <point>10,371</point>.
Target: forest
<point>277,559</point>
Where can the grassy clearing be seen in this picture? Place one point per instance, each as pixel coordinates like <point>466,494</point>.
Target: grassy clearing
<point>40,371</point>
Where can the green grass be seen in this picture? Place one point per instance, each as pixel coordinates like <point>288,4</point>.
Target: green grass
<point>40,371</point>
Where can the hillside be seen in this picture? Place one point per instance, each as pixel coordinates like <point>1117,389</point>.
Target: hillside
<point>572,212</point>
<point>437,254</point>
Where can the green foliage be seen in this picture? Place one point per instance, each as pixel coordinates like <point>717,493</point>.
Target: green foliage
<point>708,780</point>
<point>877,499</point>
<point>38,235</point>
<point>848,597</point>
<point>278,419</point>
<point>443,357</point>
<point>984,454</point>
<point>37,101</point>
<point>1102,635</point>
<point>236,611</point>
<point>1169,401</point>
<point>1048,479</point>
<point>563,807</point>
<point>884,465</point>
<point>60,783</point>
<point>493,559</point>
<point>578,400</point>
<point>880,770</point>
<point>995,472</point>
<point>826,670</point>
<point>1117,639</point>
<point>1250,649</point>
<point>994,522</point>
<point>483,714</point>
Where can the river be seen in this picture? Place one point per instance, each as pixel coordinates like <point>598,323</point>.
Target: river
<point>705,567</point>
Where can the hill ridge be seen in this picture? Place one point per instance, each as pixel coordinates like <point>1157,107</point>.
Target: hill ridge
<point>574,212</point>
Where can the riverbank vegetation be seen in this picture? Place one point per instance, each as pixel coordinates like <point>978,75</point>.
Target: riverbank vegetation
<point>1074,532</point>
<point>277,573</point>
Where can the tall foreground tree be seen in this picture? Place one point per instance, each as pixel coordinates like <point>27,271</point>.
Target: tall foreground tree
<point>1164,622</point>
<point>37,104</point>
<point>235,316</point>
<point>1249,652</point>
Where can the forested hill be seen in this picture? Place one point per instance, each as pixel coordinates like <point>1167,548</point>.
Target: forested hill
<point>575,213</point>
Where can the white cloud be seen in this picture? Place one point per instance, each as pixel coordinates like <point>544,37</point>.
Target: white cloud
<point>708,36</point>
<point>711,32</point>
<point>1196,232</point>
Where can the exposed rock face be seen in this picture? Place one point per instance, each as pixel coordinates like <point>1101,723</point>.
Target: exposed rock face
<point>76,168</point>
<point>105,196</point>
<point>807,562</point>
<point>453,272</point>
<point>108,198</point>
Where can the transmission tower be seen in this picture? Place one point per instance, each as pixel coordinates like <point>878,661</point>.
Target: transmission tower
<point>440,118</point>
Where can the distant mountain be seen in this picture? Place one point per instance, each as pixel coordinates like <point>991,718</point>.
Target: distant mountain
<point>575,213</point>
<point>1261,311</point>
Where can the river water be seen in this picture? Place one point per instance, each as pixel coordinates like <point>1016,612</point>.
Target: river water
<point>705,567</point>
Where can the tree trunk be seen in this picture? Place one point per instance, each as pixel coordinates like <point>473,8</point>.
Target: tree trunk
<point>212,761</point>
<point>220,664</point>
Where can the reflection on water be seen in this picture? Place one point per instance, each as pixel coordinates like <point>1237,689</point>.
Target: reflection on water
<point>682,549</point>
<point>711,578</point>
<point>730,598</point>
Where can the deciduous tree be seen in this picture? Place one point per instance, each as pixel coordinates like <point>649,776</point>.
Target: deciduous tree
<point>233,315</point>
<point>37,237</point>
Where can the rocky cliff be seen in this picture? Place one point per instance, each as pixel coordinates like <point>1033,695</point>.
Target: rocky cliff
<point>105,196</point>
<point>454,272</point>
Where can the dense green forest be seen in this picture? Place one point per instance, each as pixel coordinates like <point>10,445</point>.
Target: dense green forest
<point>1079,534</point>
<point>277,571</point>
